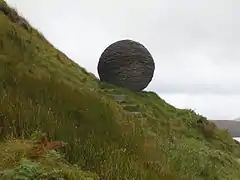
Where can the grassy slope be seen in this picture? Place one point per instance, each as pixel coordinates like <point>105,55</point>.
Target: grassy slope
<point>16,163</point>
<point>42,89</point>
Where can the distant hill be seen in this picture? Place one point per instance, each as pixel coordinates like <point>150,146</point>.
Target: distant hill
<point>233,126</point>
<point>237,119</point>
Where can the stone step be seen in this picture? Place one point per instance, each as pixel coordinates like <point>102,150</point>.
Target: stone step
<point>129,104</point>
<point>130,107</point>
<point>119,98</point>
<point>134,113</point>
<point>109,90</point>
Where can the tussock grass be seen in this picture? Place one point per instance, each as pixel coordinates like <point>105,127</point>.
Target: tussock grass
<point>16,164</point>
<point>41,89</point>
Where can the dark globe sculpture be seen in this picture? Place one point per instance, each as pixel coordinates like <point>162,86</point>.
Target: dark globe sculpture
<point>128,64</point>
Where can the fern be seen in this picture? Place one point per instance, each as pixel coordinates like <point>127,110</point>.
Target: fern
<point>30,170</point>
<point>27,170</point>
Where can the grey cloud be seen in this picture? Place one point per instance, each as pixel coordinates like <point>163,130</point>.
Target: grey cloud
<point>223,107</point>
<point>192,88</point>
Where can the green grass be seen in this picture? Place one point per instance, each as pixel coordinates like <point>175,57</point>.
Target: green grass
<point>15,164</point>
<point>41,89</point>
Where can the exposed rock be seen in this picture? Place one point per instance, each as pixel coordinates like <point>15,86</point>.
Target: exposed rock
<point>128,64</point>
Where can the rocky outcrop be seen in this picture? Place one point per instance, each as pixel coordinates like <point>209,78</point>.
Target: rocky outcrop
<point>128,64</point>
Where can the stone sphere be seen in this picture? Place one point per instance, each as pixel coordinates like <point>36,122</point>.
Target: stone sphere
<point>127,64</point>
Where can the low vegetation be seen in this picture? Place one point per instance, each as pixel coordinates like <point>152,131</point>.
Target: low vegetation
<point>42,90</point>
<point>36,159</point>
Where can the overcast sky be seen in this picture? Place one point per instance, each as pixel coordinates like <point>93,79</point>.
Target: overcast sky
<point>195,44</point>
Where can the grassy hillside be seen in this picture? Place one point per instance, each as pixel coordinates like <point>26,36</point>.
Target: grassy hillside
<point>110,131</point>
<point>25,159</point>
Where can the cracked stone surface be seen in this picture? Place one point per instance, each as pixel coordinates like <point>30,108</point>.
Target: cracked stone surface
<point>128,64</point>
